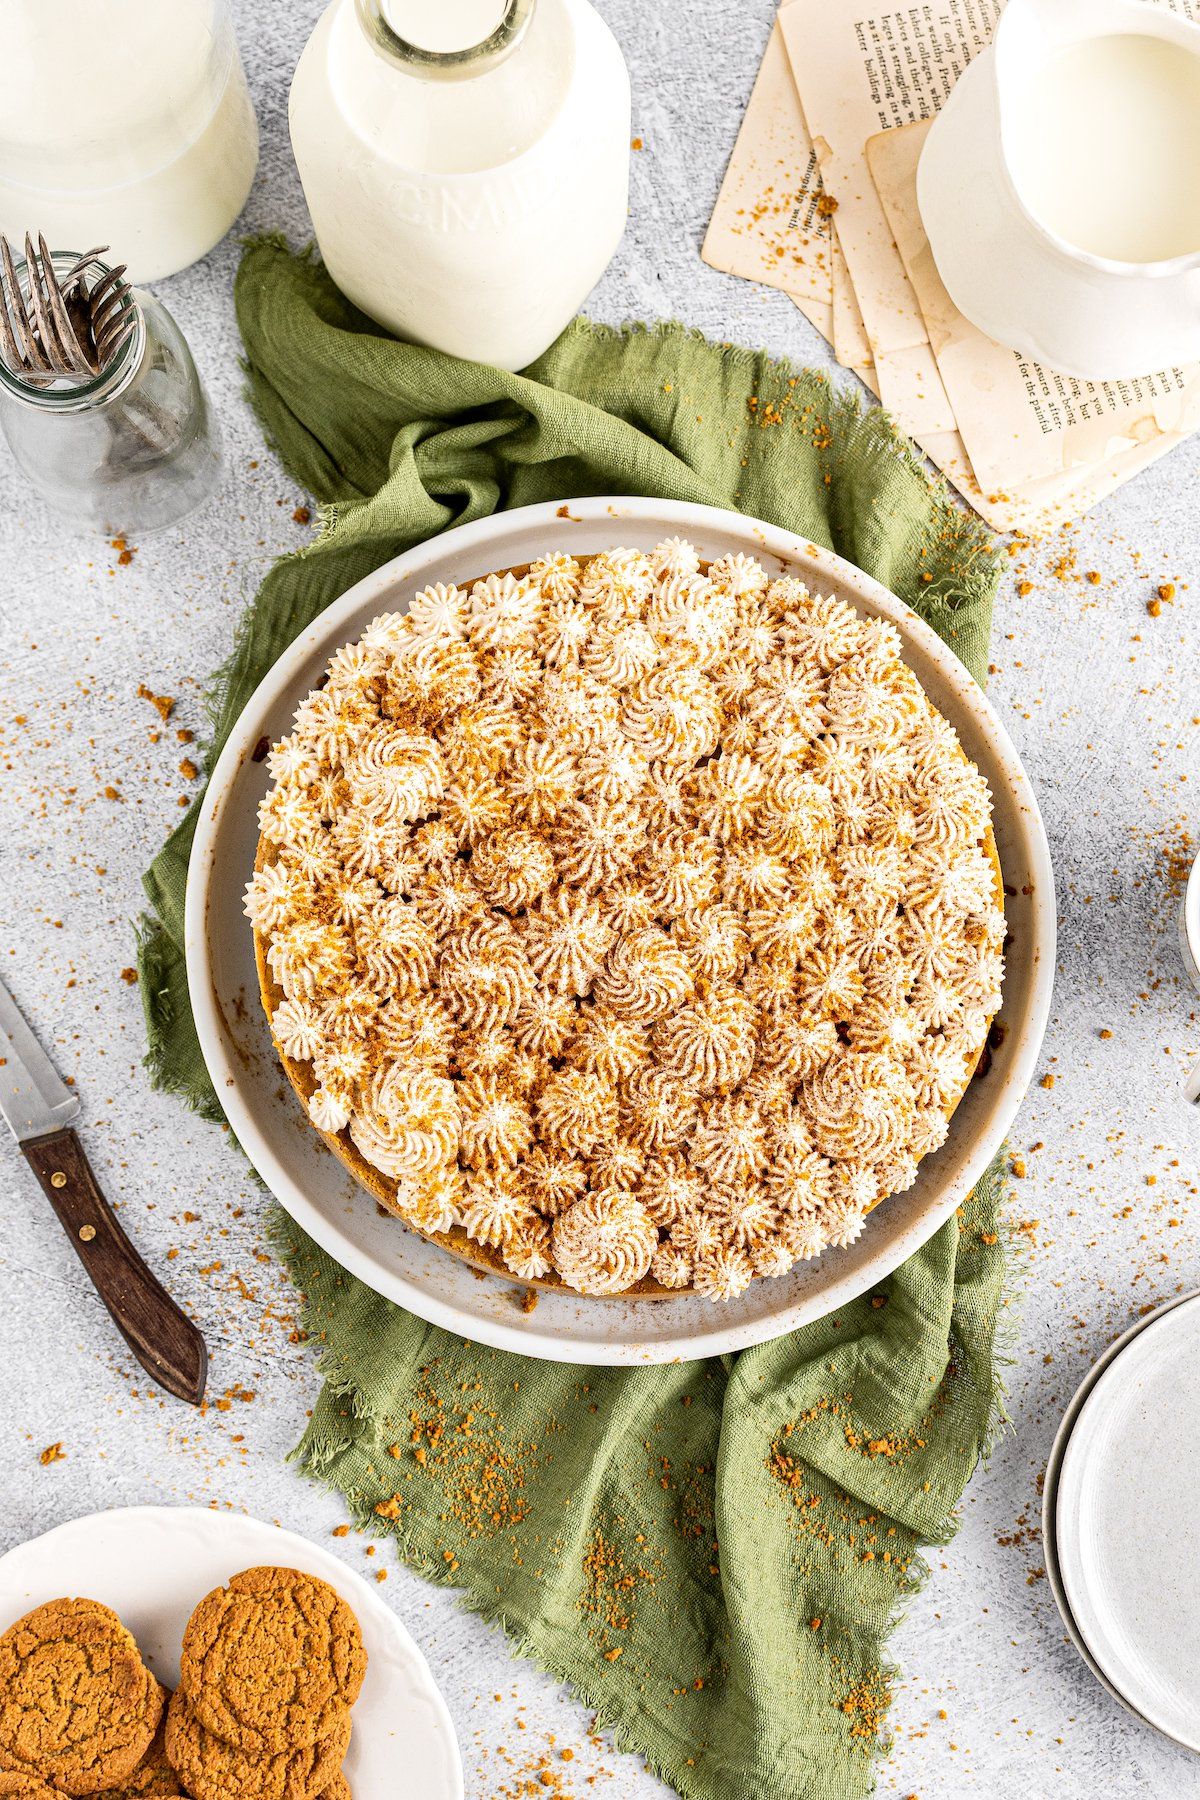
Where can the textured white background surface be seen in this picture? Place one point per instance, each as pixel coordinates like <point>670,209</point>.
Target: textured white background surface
<point>1104,704</point>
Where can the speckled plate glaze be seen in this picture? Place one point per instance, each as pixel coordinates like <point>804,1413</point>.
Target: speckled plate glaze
<point>151,1564</point>
<point>318,1191</point>
<point>1126,1533</point>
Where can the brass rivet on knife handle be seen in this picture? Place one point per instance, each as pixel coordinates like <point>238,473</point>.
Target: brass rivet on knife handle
<point>161,1336</point>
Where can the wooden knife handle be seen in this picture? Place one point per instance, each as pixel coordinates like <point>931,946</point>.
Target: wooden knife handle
<point>164,1340</point>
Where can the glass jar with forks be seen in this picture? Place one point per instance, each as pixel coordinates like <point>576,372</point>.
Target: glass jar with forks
<point>100,400</point>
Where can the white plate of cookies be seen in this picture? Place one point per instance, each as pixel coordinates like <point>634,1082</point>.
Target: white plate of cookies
<point>208,1657</point>
<point>596,1114</point>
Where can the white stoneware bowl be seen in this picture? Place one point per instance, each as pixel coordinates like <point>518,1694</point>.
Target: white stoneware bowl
<point>152,1564</point>
<point>319,1192</point>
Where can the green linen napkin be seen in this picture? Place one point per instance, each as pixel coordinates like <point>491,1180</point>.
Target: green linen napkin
<point>712,1554</point>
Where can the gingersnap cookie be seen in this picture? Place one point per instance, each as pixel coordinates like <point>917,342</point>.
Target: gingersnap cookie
<point>272,1660</point>
<point>154,1778</point>
<point>211,1769</point>
<point>14,1786</point>
<point>338,1789</point>
<point>78,1707</point>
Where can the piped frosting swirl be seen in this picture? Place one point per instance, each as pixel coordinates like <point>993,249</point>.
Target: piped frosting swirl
<point>633,918</point>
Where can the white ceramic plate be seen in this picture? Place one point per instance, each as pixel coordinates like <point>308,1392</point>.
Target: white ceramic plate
<point>1189,944</point>
<point>152,1564</point>
<point>1189,924</point>
<point>1127,1533</point>
<point>320,1193</point>
<point>1050,1492</point>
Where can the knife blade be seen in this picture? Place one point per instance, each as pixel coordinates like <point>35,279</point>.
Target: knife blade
<point>33,1097</point>
<point>39,1108</point>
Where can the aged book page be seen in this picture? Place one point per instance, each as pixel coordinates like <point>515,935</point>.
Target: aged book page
<point>817,314</point>
<point>857,74</point>
<point>767,224</point>
<point>850,343</point>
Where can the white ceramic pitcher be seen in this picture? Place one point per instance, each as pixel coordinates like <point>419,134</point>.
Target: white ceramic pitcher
<point>1011,263</point>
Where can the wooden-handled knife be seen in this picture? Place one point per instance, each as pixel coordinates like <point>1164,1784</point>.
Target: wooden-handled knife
<point>39,1109</point>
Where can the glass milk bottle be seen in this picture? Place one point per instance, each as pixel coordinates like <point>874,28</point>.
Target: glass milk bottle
<point>125,123</point>
<point>466,165</point>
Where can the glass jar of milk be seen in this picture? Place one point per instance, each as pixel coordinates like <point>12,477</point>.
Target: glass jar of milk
<point>466,165</point>
<point>126,123</point>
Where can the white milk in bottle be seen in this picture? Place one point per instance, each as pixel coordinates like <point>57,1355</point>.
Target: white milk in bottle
<point>466,165</point>
<point>126,124</point>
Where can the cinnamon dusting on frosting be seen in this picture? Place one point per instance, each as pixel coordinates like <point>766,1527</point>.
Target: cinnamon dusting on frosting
<point>637,920</point>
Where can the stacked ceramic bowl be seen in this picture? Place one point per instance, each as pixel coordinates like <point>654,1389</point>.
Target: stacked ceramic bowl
<point>1121,1520</point>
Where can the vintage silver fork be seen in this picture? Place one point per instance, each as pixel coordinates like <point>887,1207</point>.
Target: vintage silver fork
<point>110,319</point>
<point>52,327</point>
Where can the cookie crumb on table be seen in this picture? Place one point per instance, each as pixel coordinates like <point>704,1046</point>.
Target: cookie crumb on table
<point>163,704</point>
